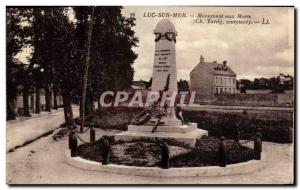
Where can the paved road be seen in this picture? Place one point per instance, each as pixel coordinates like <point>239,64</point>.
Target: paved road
<point>19,132</point>
<point>42,162</point>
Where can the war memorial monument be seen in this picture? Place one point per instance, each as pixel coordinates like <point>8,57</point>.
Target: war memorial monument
<point>164,71</point>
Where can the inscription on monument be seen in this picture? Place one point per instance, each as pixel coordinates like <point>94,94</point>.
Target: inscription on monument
<point>162,57</point>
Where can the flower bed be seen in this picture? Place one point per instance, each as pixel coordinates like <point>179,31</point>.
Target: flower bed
<point>146,152</point>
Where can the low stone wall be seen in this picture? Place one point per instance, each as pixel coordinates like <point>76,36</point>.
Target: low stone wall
<point>254,99</point>
<point>234,169</point>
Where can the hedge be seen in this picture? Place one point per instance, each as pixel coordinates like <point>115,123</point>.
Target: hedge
<point>224,124</point>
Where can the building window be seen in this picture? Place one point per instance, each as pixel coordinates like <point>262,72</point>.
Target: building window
<point>221,91</point>
<point>216,81</point>
<point>229,90</point>
<point>217,91</point>
<point>225,90</point>
<point>221,80</point>
<point>233,90</point>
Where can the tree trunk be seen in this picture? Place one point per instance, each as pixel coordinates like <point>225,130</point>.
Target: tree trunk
<point>55,99</point>
<point>26,102</point>
<point>80,108</point>
<point>68,112</point>
<point>88,105</point>
<point>99,104</point>
<point>32,107</point>
<point>10,109</point>
<point>93,109</point>
<point>48,96</point>
<point>88,108</point>
<point>37,100</point>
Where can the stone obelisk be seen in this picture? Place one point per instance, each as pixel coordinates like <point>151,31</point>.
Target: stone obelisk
<point>164,56</point>
<point>165,65</point>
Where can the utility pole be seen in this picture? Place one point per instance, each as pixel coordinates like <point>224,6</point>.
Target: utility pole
<point>86,70</point>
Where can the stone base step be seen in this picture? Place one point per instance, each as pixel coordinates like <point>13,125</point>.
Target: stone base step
<point>188,138</point>
<point>176,129</point>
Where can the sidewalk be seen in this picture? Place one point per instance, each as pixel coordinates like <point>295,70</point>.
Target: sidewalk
<point>22,131</point>
<point>33,115</point>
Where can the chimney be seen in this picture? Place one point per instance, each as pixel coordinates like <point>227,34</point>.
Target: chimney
<point>201,59</point>
<point>224,63</point>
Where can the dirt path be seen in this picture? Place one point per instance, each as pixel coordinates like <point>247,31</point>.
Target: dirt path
<point>42,163</point>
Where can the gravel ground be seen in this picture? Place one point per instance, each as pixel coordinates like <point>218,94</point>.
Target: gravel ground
<point>42,162</point>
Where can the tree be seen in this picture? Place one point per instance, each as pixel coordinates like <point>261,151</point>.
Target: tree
<point>183,85</point>
<point>111,50</point>
<point>62,66</point>
<point>38,81</point>
<point>59,49</point>
<point>17,38</point>
<point>54,54</point>
<point>149,84</point>
<point>42,36</point>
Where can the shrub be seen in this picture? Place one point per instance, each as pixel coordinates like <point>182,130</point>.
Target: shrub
<point>223,124</point>
<point>205,153</point>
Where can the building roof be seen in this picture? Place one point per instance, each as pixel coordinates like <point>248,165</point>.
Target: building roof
<point>217,68</point>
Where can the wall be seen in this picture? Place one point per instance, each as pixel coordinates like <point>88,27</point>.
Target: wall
<point>271,99</point>
<point>202,81</point>
<point>224,82</point>
<point>32,102</point>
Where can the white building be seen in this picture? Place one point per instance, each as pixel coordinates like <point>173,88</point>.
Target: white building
<point>210,78</point>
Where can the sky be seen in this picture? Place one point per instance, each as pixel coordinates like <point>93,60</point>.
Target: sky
<point>255,50</point>
<point>251,51</point>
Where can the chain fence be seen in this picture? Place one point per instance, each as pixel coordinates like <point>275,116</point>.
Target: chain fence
<point>81,139</point>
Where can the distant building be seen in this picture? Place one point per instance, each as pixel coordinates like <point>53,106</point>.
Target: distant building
<point>210,78</point>
<point>285,79</point>
<point>263,82</point>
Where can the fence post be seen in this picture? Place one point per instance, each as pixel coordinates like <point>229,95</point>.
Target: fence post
<point>105,152</point>
<point>257,146</point>
<point>92,134</point>
<point>165,158</point>
<point>73,144</point>
<point>222,153</point>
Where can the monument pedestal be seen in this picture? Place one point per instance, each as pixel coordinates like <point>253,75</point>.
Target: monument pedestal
<point>182,133</point>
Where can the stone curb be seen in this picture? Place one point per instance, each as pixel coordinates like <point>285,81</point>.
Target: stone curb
<point>234,169</point>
